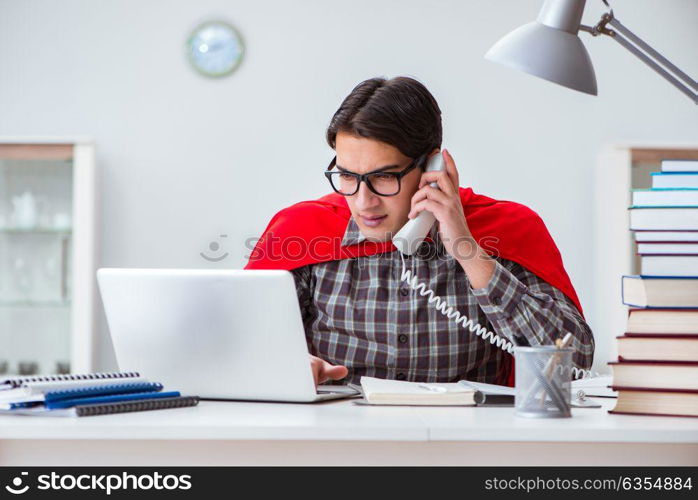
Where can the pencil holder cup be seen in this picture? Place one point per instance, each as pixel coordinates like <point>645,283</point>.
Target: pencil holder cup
<point>543,380</point>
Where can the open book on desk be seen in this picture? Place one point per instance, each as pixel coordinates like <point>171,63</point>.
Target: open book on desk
<point>595,386</point>
<point>592,386</point>
<point>464,393</point>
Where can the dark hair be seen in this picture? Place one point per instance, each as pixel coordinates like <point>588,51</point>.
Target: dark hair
<point>400,112</point>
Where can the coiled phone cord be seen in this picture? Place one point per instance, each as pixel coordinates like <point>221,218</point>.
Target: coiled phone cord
<point>409,277</point>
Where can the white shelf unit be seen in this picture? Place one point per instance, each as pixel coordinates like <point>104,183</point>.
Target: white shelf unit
<point>74,310</point>
<point>620,168</point>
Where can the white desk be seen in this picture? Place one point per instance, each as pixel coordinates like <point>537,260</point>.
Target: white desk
<point>340,432</point>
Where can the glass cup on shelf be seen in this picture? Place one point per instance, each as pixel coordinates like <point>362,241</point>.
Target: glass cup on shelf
<point>23,278</point>
<point>25,214</point>
<point>62,221</point>
<point>28,367</point>
<point>62,367</point>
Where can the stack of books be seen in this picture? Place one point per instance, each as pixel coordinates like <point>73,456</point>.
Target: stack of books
<point>86,394</point>
<point>657,368</point>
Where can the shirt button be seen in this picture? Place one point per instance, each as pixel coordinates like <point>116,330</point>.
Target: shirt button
<point>401,376</point>
<point>404,292</point>
<point>497,300</point>
<point>402,338</point>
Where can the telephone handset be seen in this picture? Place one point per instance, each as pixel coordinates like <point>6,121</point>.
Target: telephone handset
<point>410,237</point>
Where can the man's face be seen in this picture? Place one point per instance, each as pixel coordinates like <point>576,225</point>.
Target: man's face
<point>378,217</point>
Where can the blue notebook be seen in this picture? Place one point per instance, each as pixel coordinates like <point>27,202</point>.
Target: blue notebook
<point>80,392</point>
<point>102,390</point>
<point>113,398</point>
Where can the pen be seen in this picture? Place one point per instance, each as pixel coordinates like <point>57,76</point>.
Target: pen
<point>554,361</point>
<point>546,372</point>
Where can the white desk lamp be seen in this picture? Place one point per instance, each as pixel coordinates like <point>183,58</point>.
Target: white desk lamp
<point>550,49</point>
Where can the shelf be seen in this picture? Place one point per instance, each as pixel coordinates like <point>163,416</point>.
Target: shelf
<point>55,285</point>
<point>7,304</point>
<point>38,230</point>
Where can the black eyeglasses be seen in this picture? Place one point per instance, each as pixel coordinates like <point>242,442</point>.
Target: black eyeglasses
<point>380,183</point>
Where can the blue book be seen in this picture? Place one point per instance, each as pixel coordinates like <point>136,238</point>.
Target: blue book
<point>665,197</point>
<point>114,398</point>
<point>21,401</point>
<point>660,292</point>
<point>676,165</point>
<point>674,179</point>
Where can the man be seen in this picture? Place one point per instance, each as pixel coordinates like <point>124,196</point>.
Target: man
<point>491,260</point>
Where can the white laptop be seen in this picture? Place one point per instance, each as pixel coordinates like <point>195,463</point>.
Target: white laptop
<point>218,334</point>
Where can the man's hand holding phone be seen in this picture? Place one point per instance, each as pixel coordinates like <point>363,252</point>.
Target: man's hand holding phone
<point>324,371</point>
<point>445,204</point>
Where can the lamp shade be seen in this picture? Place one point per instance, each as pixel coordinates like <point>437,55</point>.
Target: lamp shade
<point>550,53</point>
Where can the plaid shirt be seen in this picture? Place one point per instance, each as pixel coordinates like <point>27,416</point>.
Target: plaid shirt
<point>358,313</point>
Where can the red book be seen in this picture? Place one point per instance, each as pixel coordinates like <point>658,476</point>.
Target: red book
<point>667,347</point>
<point>663,321</point>
<point>655,374</point>
<point>656,402</point>
<point>666,236</point>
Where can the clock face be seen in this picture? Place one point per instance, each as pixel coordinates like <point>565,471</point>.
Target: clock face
<point>215,48</point>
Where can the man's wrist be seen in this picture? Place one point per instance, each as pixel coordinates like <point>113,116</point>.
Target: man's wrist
<point>476,263</point>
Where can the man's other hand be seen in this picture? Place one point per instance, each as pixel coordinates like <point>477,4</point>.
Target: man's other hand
<point>323,371</point>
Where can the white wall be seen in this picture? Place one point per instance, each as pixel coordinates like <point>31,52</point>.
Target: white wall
<point>183,159</point>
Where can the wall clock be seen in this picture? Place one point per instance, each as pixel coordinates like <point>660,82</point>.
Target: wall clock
<point>215,48</point>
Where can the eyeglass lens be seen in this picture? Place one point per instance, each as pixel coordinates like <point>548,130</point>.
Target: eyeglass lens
<point>382,183</point>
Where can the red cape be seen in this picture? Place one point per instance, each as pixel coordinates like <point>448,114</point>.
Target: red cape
<point>310,232</point>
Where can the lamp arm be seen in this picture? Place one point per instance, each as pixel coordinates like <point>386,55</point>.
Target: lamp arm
<point>650,57</point>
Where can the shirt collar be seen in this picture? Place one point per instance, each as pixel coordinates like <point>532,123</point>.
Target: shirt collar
<point>353,234</point>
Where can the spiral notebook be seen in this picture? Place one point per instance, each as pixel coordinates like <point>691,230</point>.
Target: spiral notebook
<point>18,387</point>
<point>15,382</point>
<point>89,410</point>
